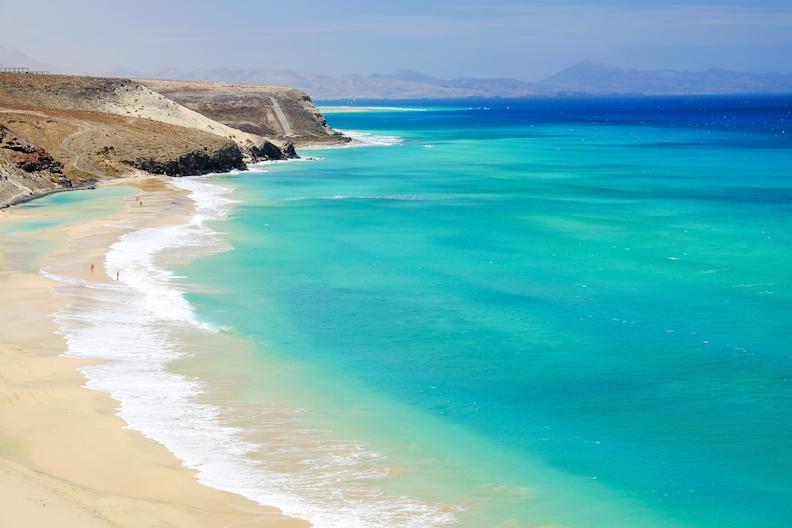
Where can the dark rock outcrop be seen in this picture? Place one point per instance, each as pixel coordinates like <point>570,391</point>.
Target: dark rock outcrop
<point>36,161</point>
<point>27,156</point>
<point>289,151</point>
<point>268,151</point>
<point>193,163</point>
<point>27,171</point>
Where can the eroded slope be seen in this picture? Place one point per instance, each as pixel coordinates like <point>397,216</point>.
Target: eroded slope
<point>272,111</point>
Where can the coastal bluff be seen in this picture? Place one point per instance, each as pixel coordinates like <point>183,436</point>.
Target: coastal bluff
<point>278,112</point>
<point>62,132</point>
<point>26,169</point>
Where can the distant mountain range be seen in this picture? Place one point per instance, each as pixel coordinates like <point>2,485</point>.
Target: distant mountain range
<point>582,78</point>
<point>397,85</point>
<point>603,78</point>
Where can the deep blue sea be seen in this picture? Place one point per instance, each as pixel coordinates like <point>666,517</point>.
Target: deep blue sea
<point>517,313</point>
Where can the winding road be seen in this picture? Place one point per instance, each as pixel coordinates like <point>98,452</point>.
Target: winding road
<point>82,128</point>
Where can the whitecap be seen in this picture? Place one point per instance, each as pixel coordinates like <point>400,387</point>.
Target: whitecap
<point>370,139</point>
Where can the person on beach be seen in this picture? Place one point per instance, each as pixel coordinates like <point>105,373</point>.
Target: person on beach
<point>118,273</point>
<point>92,267</point>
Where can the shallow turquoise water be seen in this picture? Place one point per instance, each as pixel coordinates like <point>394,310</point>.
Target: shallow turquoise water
<point>567,312</point>
<point>25,240</point>
<point>65,208</point>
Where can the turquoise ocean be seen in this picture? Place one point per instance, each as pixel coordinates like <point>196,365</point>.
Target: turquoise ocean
<point>556,312</point>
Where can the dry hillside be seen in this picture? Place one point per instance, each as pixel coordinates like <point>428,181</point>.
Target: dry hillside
<point>272,111</point>
<point>96,128</point>
<point>26,169</point>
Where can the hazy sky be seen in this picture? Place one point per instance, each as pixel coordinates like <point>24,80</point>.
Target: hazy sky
<point>522,39</point>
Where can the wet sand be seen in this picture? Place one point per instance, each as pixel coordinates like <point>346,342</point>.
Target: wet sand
<point>66,459</point>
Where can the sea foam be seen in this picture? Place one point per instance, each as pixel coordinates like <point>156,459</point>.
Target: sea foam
<point>369,139</point>
<point>136,325</point>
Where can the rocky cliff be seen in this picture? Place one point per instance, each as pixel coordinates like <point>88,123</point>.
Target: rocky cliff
<point>24,155</point>
<point>125,98</point>
<point>272,111</point>
<point>27,170</point>
<point>192,163</point>
<point>61,131</point>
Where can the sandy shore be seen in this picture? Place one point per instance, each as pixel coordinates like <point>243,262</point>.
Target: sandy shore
<point>66,459</point>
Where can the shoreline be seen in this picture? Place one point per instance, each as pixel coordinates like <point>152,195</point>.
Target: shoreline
<point>42,194</point>
<point>136,174</point>
<point>176,491</point>
<point>65,453</point>
<point>358,139</point>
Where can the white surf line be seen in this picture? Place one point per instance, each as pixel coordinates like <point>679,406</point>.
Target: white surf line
<point>136,326</point>
<point>279,113</point>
